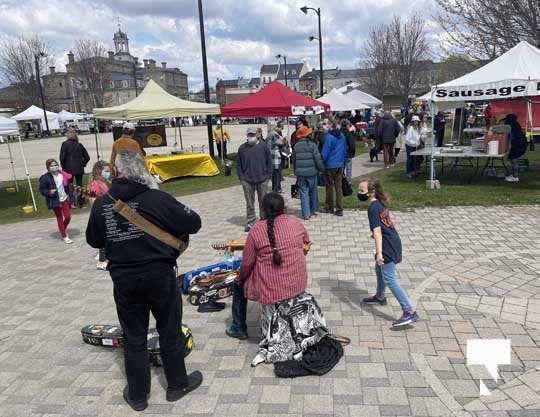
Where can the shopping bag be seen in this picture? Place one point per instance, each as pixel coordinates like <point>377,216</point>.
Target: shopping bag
<point>294,191</point>
<point>346,187</point>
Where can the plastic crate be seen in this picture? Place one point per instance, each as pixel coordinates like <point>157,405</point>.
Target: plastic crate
<point>219,267</point>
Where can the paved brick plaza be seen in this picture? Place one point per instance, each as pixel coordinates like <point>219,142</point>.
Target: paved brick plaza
<point>472,272</point>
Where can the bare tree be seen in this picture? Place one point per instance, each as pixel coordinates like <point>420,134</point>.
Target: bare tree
<point>410,51</point>
<point>17,65</point>
<point>89,68</point>
<point>487,28</point>
<point>376,59</point>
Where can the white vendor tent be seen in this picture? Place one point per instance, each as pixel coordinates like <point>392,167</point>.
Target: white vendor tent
<point>365,98</point>
<point>341,102</point>
<point>9,127</point>
<point>516,73</point>
<point>65,116</point>
<point>36,113</point>
<point>155,103</point>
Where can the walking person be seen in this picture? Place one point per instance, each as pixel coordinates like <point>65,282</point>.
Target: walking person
<point>439,124</point>
<point>254,169</point>
<point>55,187</point>
<point>276,143</point>
<point>387,251</point>
<point>351,148</point>
<point>518,146</point>
<point>143,272</point>
<point>73,159</point>
<point>99,186</point>
<point>221,137</point>
<point>333,155</point>
<point>388,131</point>
<point>307,166</point>
<point>412,142</point>
<point>126,141</point>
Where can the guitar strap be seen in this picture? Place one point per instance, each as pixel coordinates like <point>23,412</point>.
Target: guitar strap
<point>148,227</point>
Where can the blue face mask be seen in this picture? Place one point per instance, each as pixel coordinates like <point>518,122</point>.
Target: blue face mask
<point>106,175</point>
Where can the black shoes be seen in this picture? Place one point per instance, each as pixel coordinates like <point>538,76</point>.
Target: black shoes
<point>375,300</point>
<point>339,213</point>
<point>136,405</point>
<point>210,307</point>
<point>194,381</point>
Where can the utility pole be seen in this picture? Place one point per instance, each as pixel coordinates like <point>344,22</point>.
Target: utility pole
<point>320,52</point>
<point>205,75</point>
<point>38,77</point>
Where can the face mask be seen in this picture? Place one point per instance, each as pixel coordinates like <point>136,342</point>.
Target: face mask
<point>251,140</point>
<point>106,175</point>
<point>362,196</point>
<point>54,168</point>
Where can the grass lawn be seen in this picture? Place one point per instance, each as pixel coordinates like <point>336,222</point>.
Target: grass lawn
<point>455,190</point>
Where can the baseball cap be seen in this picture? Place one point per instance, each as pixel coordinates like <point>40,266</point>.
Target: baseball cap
<point>128,125</point>
<point>251,131</point>
<point>415,118</point>
<point>303,132</point>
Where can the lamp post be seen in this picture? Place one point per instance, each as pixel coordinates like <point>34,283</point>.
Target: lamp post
<point>279,56</point>
<point>305,10</point>
<point>205,75</point>
<point>40,88</point>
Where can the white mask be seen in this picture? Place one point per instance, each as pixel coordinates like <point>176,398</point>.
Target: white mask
<point>252,140</point>
<point>54,168</point>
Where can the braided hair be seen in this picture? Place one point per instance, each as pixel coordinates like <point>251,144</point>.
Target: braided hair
<point>273,206</point>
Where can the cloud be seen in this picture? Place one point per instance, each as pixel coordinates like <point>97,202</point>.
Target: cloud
<point>240,34</point>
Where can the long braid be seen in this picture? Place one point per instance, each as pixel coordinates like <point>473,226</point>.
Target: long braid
<point>276,256</point>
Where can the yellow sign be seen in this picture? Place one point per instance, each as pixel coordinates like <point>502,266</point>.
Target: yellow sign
<point>154,139</point>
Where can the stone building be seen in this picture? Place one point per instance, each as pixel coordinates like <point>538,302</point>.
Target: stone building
<point>332,78</point>
<point>123,78</point>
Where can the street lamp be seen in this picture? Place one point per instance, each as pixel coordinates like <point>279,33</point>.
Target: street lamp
<point>305,10</point>
<point>38,76</point>
<point>205,75</point>
<point>279,56</point>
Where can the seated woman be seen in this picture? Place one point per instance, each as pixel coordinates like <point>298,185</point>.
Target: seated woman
<point>274,274</point>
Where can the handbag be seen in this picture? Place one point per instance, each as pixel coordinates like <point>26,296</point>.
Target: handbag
<point>346,187</point>
<point>294,190</point>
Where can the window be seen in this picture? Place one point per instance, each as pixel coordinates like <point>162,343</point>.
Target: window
<point>60,84</point>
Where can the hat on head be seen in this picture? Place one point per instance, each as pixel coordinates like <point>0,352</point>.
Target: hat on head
<point>415,118</point>
<point>128,125</point>
<point>303,132</point>
<point>251,131</point>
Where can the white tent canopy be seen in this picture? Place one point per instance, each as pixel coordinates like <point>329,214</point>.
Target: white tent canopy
<point>365,98</point>
<point>65,115</point>
<point>8,126</point>
<point>36,113</point>
<point>155,103</point>
<point>516,73</point>
<point>341,102</point>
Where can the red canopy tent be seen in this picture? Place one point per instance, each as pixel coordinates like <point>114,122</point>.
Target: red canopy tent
<point>526,110</point>
<point>274,100</point>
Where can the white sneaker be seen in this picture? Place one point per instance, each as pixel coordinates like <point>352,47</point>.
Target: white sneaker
<point>67,240</point>
<point>102,266</point>
<point>96,258</point>
<point>511,178</point>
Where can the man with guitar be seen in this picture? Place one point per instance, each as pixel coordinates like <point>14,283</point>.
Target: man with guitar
<point>143,231</point>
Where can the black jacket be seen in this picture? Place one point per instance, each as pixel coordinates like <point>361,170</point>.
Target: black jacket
<point>351,143</point>
<point>73,157</point>
<point>254,163</point>
<point>126,245</point>
<point>388,130</point>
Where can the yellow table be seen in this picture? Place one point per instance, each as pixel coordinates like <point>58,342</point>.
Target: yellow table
<point>182,165</point>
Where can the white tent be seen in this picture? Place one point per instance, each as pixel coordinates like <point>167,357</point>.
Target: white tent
<point>9,127</point>
<point>36,113</point>
<point>341,102</point>
<point>65,116</point>
<point>155,103</point>
<point>365,98</point>
<point>516,73</point>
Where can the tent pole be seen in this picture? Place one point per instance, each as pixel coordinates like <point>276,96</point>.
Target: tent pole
<point>175,140</point>
<point>180,133</point>
<point>12,165</point>
<point>460,124</point>
<point>222,139</point>
<point>432,159</point>
<point>96,133</point>
<point>453,126</point>
<point>28,175</point>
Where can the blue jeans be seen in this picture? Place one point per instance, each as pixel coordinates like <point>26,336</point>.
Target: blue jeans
<point>348,170</point>
<point>309,197</point>
<point>386,277</point>
<point>239,307</point>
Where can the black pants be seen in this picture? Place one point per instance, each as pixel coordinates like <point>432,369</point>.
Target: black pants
<point>224,149</point>
<point>78,181</point>
<point>136,293</point>
<point>277,177</point>
<point>439,136</point>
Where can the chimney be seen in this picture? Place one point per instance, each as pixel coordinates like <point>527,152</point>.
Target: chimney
<point>111,54</point>
<point>152,63</point>
<point>52,70</point>
<point>145,63</point>
<point>71,58</point>
<point>164,65</point>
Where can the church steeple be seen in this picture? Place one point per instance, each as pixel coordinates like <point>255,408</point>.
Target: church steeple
<point>121,41</point>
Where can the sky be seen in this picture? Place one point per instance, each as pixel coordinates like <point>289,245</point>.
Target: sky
<point>240,34</point>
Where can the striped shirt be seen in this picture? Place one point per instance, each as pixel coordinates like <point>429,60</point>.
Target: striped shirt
<point>265,282</point>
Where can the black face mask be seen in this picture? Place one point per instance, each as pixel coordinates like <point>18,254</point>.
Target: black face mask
<point>362,196</point>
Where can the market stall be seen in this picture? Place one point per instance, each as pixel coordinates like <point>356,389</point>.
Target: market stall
<point>155,103</point>
<point>365,98</point>
<point>341,102</point>
<point>34,113</point>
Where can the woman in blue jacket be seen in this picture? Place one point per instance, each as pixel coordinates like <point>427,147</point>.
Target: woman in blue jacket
<point>333,155</point>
